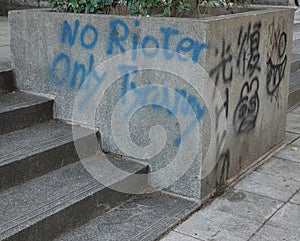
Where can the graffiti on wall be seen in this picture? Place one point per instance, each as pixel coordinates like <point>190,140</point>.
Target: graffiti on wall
<point>276,56</point>
<point>247,109</point>
<point>70,73</point>
<point>240,60</point>
<point>87,38</point>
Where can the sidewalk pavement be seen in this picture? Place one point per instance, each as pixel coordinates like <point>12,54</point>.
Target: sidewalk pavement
<point>264,205</point>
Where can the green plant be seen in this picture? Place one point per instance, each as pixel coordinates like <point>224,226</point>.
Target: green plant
<point>82,6</point>
<point>139,7</point>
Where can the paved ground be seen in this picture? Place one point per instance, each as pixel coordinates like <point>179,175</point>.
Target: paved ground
<point>264,205</point>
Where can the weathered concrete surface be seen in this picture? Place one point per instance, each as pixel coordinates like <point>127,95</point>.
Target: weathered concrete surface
<point>145,217</point>
<point>269,203</point>
<point>249,66</point>
<point>45,207</point>
<point>20,110</point>
<point>38,150</point>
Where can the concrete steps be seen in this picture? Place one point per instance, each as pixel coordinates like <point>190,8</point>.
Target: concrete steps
<point>46,192</point>
<point>37,150</point>
<point>45,207</point>
<point>20,110</point>
<point>142,218</point>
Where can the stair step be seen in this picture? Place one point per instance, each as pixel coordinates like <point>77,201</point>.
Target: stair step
<point>6,81</point>
<point>142,218</point>
<point>19,110</point>
<point>46,207</point>
<point>37,150</point>
<point>294,91</point>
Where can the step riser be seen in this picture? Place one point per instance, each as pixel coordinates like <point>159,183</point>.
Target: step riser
<point>6,81</point>
<point>43,162</point>
<point>25,117</point>
<point>76,215</point>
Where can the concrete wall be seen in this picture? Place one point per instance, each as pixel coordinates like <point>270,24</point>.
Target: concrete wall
<point>216,87</point>
<point>7,5</point>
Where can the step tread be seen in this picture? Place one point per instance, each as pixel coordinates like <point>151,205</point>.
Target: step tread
<point>20,110</point>
<point>18,100</point>
<point>29,203</point>
<point>35,139</point>
<point>34,151</point>
<point>144,217</point>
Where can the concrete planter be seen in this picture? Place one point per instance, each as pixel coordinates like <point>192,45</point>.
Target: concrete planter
<point>218,86</point>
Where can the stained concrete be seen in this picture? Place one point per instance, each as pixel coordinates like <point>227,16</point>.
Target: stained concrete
<point>54,203</point>
<point>23,110</point>
<point>270,233</point>
<point>283,168</point>
<point>141,219</point>
<point>268,185</point>
<point>267,199</point>
<point>218,154</point>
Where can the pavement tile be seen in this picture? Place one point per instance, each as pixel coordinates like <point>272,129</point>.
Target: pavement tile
<point>268,185</point>
<point>296,199</point>
<point>4,40</point>
<point>270,233</point>
<point>296,110</point>
<point>290,137</point>
<point>175,236</point>
<point>287,217</point>
<point>5,52</point>
<point>216,225</point>
<point>293,120</point>
<point>296,143</point>
<point>246,205</point>
<point>5,64</point>
<point>4,31</point>
<point>291,152</point>
<point>4,28</point>
<point>282,168</point>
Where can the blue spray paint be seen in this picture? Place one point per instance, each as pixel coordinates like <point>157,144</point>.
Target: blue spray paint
<point>115,38</point>
<point>91,90</point>
<point>60,59</point>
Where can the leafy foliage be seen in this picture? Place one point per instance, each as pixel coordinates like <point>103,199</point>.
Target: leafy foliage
<point>138,7</point>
